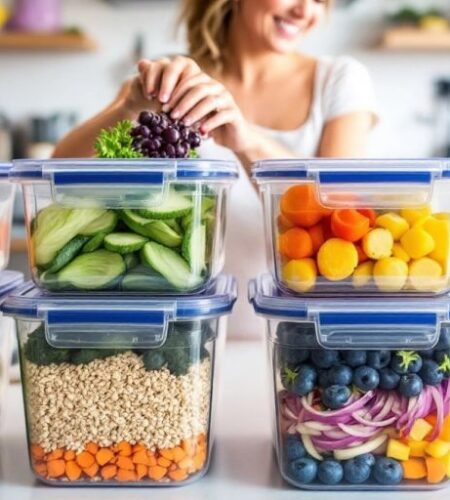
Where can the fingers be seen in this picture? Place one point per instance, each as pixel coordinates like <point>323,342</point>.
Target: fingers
<point>193,97</point>
<point>220,118</point>
<point>185,86</point>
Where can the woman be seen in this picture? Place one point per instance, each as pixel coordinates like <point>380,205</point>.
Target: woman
<point>247,88</point>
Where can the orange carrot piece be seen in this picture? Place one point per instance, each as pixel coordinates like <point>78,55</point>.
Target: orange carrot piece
<point>69,455</point>
<point>296,243</point>
<point>124,449</point>
<point>178,453</point>
<point>103,456</point>
<point>201,439</point>
<point>141,457</point>
<point>349,224</point>
<point>163,462</point>
<point>55,454</point>
<point>40,468</point>
<point>85,459</point>
<point>166,453</point>
<point>283,223</point>
<point>141,471</point>
<point>300,206</point>
<point>124,475</point>
<point>92,470</point>
<point>125,463</point>
<point>152,460</point>
<point>108,472</point>
<point>178,475</point>
<point>186,463</point>
<point>138,447</point>
<point>37,452</point>
<point>435,470</point>
<point>317,235</point>
<point>92,448</point>
<point>199,460</point>
<point>414,468</point>
<point>189,446</point>
<point>370,214</point>
<point>156,472</point>
<point>56,468</point>
<point>73,470</point>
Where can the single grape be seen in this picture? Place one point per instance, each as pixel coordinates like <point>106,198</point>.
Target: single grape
<point>143,117</point>
<point>185,134</point>
<point>171,135</point>
<point>157,130</point>
<point>181,150</point>
<point>194,139</point>
<point>143,131</point>
<point>170,150</point>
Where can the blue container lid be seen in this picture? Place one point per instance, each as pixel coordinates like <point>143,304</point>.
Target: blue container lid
<point>352,323</point>
<point>121,171</point>
<point>4,169</point>
<point>9,280</point>
<point>327,171</point>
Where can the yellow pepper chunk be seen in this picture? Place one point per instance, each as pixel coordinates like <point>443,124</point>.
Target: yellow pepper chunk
<point>420,429</point>
<point>439,229</point>
<point>414,214</point>
<point>337,259</point>
<point>378,243</point>
<point>390,274</point>
<point>300,275</point>
<point>438,448</point>
<point>398,252</point>
<point>394,223</point>
<point>417,448</point>
<point>426,275</point>
<point>446,461</point>
<point>398,450</point>
<point>363,274</point>
<point>417,242</point>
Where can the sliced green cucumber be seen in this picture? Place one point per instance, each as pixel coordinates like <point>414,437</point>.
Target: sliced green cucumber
<point>49,281</point>
<point>207,204</point>
<point>156,230</point>
<point>131,260</point>
<point>174,205</point>
<point>93,271</point>
<point>144,279</point>
<point>94,243</point>
<point>193,248</point>
<point>106,223</point>
<point>175,225</point>
<point>170,264</point>
<point>68,252</point>
<point>124,242</point>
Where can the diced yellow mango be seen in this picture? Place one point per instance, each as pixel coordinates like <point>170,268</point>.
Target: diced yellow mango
<point>420,429</point>
<point>337,259</point>
<point>398,450</point>
<point>394,223</point>
<point>300,275</point>
<point>439,229</point>
<point>414,214</point>
<point>362,275</point>
<point>417,242</point>
<point>426,275</point>
<point>378,243</point>
<point>390,274</point>
<point>446,461</point>
<point>438,448</point>
<point>417,448</point>
<point>398,252</point>
<point>445,432</point>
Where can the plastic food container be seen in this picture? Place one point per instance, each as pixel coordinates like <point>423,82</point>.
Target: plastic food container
<point>131,225</point>
<point>361,390</point>
<point>8,281</point>
<point>119,390</point>
<point>359,227</point>
<point>6,208</point>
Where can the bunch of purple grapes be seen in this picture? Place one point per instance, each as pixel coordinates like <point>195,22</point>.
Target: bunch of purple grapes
<point>158,136</point>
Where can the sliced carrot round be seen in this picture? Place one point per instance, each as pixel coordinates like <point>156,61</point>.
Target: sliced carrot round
<point>295,243</point>
<point>301,207</point>
<point>349,224</point>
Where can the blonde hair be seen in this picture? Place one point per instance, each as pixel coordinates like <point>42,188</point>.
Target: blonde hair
<point>207,23</point>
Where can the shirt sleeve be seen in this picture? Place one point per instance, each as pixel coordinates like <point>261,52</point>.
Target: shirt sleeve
<point>348,89</point>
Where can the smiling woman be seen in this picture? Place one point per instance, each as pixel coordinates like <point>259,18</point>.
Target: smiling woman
<point>247,87</point>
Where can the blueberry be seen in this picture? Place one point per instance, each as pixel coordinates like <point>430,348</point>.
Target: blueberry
<point>303,470</point>
<point>356,471</point>
<point>293,447</point>
<point>442,358</point>
<point>444,339</point>
<point>324,358</point>
<point>430,373</point>
<point>366,458</point>
<point>330,472</point>
<point>366,378</point>
<point>410,385</point>
<point>300,380</point>
<point>354,358</point>
<point>404,362</point>
<point>335,396</point>
<point>426,354</point>
<point>388,379</point>
<point>340,375</point>
<point>324,381</point>
<point>387,471</point>
<point>378,359</point>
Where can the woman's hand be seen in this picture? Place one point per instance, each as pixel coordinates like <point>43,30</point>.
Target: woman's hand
<point>188,94</point>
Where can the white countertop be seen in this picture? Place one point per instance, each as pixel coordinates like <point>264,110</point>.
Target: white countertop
<point>243,465</point>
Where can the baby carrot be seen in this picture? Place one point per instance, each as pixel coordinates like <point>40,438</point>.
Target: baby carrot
<point>73,471</point>
<point>166,453</point>
<point>125,463</point>
<point>108,472</point>
<point>124,475</point>
<point>56,468</point>
<point>178,453</point>
<point>141,471</point>
<point>40,468</point>
<point>69,455</point>
<point>55,454</point>
<point>178,475</point>
<point>85,460</point>
<point>103,456</point>
<point>92,448</point>
<point>141,457</point>
<point>156,472</point>
<point>163,462</point>
<point>37,452</point>
<point>92,470</point>
<point>124,449</point>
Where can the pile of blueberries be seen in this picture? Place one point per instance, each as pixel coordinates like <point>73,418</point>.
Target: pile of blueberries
<point>302,468</point>
<point>308,367</point>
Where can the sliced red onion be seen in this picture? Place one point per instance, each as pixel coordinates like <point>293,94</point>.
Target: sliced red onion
<point>358,430</point>
<point>304,430</point>
<point>335,444</point>
<point>438,401</point>
<point>387,408</point>
<point>371,423</point>
<point>319,426</point>
<point>335,434</point>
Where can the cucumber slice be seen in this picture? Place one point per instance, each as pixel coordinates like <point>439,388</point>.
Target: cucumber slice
<point>67,253</point>
<point>144,279</point>
<point>193,248</point>
<point>171,265</point>
<point>124,242</point>
<point>49,281</point>
<point>106,223</point>
<point>93,271</point>
<point>94,243</point>
<point>131,260</point>
<point>175,225</point>
<point>174,205</point>
<point>207,204</point>
<point>156,230</point>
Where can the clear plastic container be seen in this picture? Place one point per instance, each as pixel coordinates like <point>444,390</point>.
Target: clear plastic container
<point>6,209</point>
<point>358,227</point>
<point>120,390</point>
<point>361,390</point>
<point>8,281</point>
<point>154,226</point>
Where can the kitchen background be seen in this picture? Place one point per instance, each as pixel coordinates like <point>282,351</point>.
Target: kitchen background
<point>44,92</point>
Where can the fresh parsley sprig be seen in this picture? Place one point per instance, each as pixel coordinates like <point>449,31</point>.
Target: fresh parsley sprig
<point>116,142</point>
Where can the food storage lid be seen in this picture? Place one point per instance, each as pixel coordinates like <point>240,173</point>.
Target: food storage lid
<point>8,281</point>
<point>120,183</point>
<point>378,182</point>
<point>4,169</point>
<point>117,320</point>
<point>355,323</point>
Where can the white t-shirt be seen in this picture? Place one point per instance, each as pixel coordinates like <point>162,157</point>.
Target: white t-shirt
<point>341,86</point>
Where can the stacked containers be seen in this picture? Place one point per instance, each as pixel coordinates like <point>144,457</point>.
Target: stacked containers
<point>357,321</point>
<point>118,387</point>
